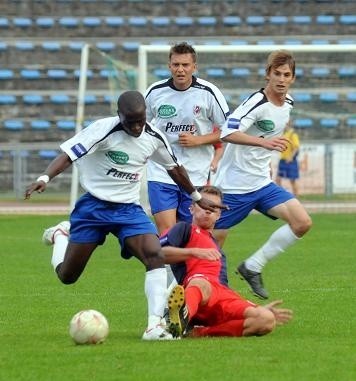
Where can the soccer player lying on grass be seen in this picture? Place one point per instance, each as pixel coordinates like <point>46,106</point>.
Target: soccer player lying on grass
<point>202,305</point>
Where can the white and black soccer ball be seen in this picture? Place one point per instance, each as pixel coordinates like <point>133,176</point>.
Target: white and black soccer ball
<point>88,327</point>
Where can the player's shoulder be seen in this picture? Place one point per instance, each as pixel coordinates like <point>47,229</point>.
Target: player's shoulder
<point>153,132</point>
<point>156,86</point>
<point>289,100</point>
<point>203,84</point>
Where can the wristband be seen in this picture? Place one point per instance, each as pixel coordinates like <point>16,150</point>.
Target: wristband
<point>44,178</point>
<point>196,196</point>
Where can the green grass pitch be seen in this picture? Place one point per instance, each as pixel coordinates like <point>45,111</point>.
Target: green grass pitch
<point>316,278</point>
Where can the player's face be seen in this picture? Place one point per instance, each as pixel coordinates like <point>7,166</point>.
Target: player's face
<point>280,79</point>
<point>133,124</point>
<point>204,218</point>
<point>182,68</point>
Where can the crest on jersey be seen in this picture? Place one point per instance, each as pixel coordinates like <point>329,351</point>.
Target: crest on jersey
<point>265,125</point>
<point>118,157</point>
<point>167,111</point>
<point>196,110</point>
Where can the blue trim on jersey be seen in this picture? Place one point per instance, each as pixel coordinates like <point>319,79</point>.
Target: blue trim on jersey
<point>242,204</point>
<point>93,219</point>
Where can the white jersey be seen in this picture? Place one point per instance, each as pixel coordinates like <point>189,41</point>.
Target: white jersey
<point>195,110</point>
<point>111,162</point>
<point>245,168</point>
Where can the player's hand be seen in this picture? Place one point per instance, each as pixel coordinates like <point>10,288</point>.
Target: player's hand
<point>210,205</point>
<point>276,144</point>
<point>188,140</point>
<point>208,253</point>
<point>282,315</point>
<point>213,166</point>
<point>38,186</point>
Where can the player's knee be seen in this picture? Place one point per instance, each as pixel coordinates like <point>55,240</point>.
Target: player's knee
<point>65,277</point>
<point>153,260</point>
<point>303,226</point>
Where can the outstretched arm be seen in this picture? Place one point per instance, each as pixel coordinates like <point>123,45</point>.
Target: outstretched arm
<point>55,167</point>
<point>174,254</point>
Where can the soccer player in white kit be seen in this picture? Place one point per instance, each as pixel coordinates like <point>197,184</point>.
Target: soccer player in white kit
<point>185,109</point>
<point>110,155</point>
<point>252,131</point>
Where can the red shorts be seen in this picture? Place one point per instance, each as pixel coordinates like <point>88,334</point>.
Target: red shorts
<point>224,305</point>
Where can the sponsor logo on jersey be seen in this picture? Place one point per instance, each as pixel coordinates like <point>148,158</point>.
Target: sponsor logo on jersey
<point>233,123</point>
<point>167,111</point>
<point>118,157</point>
<point>265,125</point>
<point>196,110</point>
<point>171,127</point>
<point>79,150</point>
<point>132,177</point>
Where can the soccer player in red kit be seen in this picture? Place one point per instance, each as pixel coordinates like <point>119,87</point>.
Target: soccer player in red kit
<point>201,301</point>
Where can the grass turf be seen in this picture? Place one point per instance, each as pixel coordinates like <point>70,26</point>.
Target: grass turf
<point>314,278</point>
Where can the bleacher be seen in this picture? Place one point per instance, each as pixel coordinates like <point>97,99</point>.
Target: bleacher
<point>41,41</point>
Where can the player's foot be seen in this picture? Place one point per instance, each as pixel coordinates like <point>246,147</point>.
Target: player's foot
<point>48,235</point>
<point>178,312</point>
<point>156,333</point>
<point>254,279</point>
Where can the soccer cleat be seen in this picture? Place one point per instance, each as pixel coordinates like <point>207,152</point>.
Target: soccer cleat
<point>48,234</point>
<point>157,333</point>
<point>178,312</point>
<point>254,279</point>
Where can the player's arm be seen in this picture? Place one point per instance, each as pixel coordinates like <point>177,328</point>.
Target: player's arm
<point>55,167</point>
<point>178,254</point>
<point>189,140</point>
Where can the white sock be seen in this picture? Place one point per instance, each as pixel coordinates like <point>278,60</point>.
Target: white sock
<point>156,294</point>
<point>276,244</point>
<point>59,248</point>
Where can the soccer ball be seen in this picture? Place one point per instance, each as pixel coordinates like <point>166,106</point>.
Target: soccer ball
<point>88,327</point>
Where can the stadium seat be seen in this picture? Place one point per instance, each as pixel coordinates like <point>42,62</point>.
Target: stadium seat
<point>328,97</point>
<point>90,99</point>
<point>114,21</point>
<point>13,124</point>
<point>162,73</point>
<point>59,98</point>
<point>32,99</point>
<point>47,154</point>
<point>184,21</point>
<point>160,21</point>
<point>347,19</point>
<point>22,22</point>
<point>265,42</point>
<point>302,97</point>
<point>105,46</point>
<point>325,19</point>
<point>320,72</point>
<point>347,71</point>
<point>89,73</point>
<point>329,122</point>
<point>106,73</point>
<point>255,20</point>
<point>51,46</point>
<point>66,124</point>
<point>91,22</point>
<point>351,122</point>
<point>293,41</point>
<point>302,20</point>
<point>3,46</point>
<point>303,123</point>
<point>215,72</point>
<point>278,20</point>
<point>346,41</point>
<point>231,21</point>
<point>130,46</point>
<point>212,42</point>
<point>320,41</point>
<point>207,21</point>
<point>24,45</point>
<point>351,96</point>
<point>7,99</point>
<point>30,74</point>
<point>57,73</point>
<point>45,22</point>
<point>68,22</point>
<point>138,21</point>
<point>4,22</point>
<point>40,124</point>
<point>238,42</point>
<point>6,74</point>
<point>76,46</point>
<point>240,72</point>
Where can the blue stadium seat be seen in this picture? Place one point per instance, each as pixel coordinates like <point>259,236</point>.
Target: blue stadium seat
<point>212,42</point>
<point>255,20</point>
<point>261,72</point>
<point>302,20</point>
<point>320,72</point>
<point>351,122</point>
<point>45,22</point>
<point>137,21</point>
<point>184,21</point>
<point>66,124</point>
<point>325,19</point>
<point>4,22</point>
<point>346,41</point>
<point>47,154</point>
<point>91,22</point>
<point>57,73</point>
<point>329,97</point>
<point>130,46</point>
<point>293,41</point>
<point>162,73</point>
<point>278,20</point>
<point>347,71</point>
<point>30,74</point>
<point>320,41</point>
<point>51,46</point>
<point>240,72</point>
<point>207,21</point>
<point>6,74</point>
<point>76,46</point>
<point>231,21</point>
<point>68,22</point>
<point>265,42</point>
<point>107,73</point>
<point>238,42</point>
<point>329,122</point>
<point>302,97</point>
<point>215,72</point>
<point>347,19</point>
<point>161,21</point>
<point>24,45</point>
<point>303,123</point>
<point>59,99</point>
<point>13,124</point>
<point>32,99</point>
<point>106,46</point>
<point>114,21</point>
<point>3,46</point>
<point>351,96</point>
<point>40,124</point>
<point>7,99</point>
<point>22,22</point>
<point>89,73</point>
<point>90,99</point>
